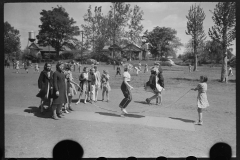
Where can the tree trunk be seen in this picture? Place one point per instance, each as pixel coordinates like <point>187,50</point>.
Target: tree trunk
<point>195,58</point>
<point>224,76</point>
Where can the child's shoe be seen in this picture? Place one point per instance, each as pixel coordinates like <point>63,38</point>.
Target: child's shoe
<point>198,123</point>
<point>148,101</point>
<point>125,111</point>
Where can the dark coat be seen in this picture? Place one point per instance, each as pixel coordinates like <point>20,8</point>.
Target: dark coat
<point>43,82</point>
<point>59,85</point>
<point>160,79</point>
<point>152,82</point>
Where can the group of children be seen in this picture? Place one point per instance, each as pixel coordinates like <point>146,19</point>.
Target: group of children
<point>91,81</point>
<point>25,65</point>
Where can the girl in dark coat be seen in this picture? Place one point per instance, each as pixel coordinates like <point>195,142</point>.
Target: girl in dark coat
<point>59,90</point>
<point>155,86</point>
<point>45,85</point>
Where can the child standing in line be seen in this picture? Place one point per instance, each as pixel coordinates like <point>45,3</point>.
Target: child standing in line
<point>83,78</point>
<point>71,90</point>
<point>92,85</point>
<point>202,101</point>
<point>105,84</point>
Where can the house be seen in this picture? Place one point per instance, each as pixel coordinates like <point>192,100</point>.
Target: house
<point>133,51</point>
<point>43,50</point>
<point>113,50</point>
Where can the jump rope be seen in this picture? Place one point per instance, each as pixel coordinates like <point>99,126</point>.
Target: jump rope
<point>147,109</point>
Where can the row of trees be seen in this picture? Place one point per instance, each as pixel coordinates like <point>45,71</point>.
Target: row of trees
<point>222,34</point>
<point>122,25</point>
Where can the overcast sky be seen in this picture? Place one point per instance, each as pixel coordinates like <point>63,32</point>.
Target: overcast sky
<point>26,16</point>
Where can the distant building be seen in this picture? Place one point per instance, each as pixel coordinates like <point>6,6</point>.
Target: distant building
<point>133,51</point>
<point>112,51</point>
<point>43,50</point>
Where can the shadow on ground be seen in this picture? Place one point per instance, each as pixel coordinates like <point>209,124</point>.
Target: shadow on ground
<point>229,81</point>
<point>142,102</point>
<point>36,111</point>
<point>117,115</point>
<point>184,120</point>
<point>185,79</point>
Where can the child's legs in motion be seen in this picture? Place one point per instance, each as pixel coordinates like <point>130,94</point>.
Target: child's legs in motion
<point>159,99</point>
<point>153,97</point>
<point>128,98</point>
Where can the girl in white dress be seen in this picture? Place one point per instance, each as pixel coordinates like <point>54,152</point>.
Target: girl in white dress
<point>98,82</point>
<point>202,101</point>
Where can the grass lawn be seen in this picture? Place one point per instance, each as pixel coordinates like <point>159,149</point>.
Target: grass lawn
<point>35,135</point>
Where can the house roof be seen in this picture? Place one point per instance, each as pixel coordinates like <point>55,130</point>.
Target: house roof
<point>44,48</point>
<point>132,47</point>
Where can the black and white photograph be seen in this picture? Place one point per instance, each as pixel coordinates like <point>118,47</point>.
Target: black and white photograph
<point>119,80</point>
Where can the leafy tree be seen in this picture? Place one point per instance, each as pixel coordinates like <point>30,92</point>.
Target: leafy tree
<point>57,29</point>
<point>195,18</point>
<point>224,31</point>
<point>164,41</point>
<point>12,43</point>
<point>135,27</point>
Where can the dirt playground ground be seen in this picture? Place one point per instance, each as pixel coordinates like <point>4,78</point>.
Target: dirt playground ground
<point>148,131</point>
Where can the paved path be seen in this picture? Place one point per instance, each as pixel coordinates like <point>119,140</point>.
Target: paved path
<point>109,117</point>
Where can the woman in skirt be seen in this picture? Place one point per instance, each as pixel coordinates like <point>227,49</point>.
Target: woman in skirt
<point>59,91</point>
<point>126,89</point>
<point>45,85</point>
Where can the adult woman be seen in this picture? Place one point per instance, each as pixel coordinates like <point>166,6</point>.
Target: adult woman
<point>126,89</point>
<point>59,90</point>
<point>45,85</point>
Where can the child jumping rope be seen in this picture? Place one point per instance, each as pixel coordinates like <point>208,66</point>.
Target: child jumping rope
<point>202,101</point>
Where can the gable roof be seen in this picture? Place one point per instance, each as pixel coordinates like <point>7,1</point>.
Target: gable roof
<point>44,48</point>
<point>34,46</point>
<point>132,47</point>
